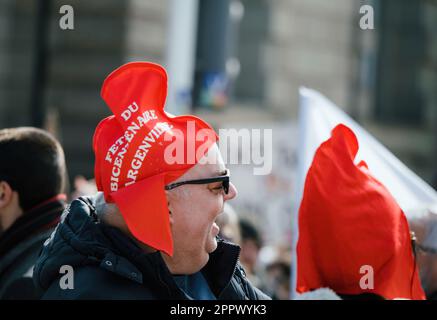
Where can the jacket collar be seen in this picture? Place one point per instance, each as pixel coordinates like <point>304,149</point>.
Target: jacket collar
<point>85,238</point>
<point>41,218</point>
<point>129,261</point>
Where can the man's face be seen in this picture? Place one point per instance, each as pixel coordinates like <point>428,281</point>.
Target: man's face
<point>194,209</point>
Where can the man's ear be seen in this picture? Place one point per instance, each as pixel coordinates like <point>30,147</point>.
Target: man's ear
<point>6,194</point>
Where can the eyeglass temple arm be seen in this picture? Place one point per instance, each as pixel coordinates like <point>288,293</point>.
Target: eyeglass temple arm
<point>200,181</point>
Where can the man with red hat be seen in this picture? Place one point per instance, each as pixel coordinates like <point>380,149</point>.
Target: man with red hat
<point>150,233</point>
<point>353,237</point>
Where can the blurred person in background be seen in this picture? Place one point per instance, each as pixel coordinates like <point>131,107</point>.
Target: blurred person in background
<point>274,271</point>
<point>229,225</point>
<point>32,180</point>
<point>277,280</point>
<point>83,187</point>
<point>251,244</point>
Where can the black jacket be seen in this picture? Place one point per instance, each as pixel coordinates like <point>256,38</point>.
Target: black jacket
<point>109,265</point>
<point>20,246</point>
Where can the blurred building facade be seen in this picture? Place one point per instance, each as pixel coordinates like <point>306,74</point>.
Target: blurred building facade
<point>385,78</point>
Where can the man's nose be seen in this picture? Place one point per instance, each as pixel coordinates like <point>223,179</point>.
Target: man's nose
<point>232,192</point>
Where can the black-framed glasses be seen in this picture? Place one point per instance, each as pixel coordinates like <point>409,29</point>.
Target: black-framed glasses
<point>224,179</point>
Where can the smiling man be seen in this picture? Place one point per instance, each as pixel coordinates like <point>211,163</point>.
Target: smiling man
<point>150,233</point>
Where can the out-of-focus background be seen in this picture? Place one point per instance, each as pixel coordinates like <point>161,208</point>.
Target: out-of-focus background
<point>238,64</point>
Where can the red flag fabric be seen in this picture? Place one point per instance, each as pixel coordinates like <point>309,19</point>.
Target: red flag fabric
<point>351,228</point>
<point>141,148</point>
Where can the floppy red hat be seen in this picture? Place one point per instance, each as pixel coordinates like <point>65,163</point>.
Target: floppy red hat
<point>141,148</point>
<point>347,220</point>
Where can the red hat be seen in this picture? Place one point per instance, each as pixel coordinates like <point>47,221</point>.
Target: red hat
<point>141,148</point>
<point>347,220</point>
